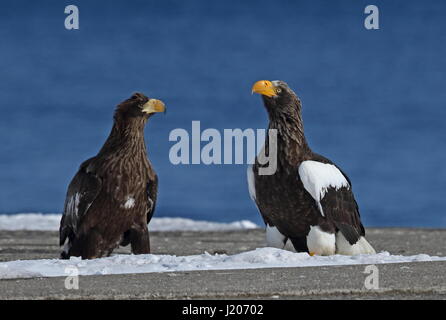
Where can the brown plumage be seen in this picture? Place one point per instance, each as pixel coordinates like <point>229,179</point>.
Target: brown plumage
<point>112,197</point>
<point>308,200</point>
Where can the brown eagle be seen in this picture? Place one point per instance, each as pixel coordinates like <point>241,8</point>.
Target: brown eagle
<point>112,197</point>
<point>308,199</point>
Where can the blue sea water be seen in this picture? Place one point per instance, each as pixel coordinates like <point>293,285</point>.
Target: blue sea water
<point>374,101</point>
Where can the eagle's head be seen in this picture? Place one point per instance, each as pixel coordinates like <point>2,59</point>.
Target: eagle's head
<point>138,106</point>
<point>277,97</point>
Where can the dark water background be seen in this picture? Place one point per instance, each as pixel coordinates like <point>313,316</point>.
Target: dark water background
<point>374,101</point>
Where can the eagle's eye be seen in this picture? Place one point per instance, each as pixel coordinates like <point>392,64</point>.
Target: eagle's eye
<point>278,90</point>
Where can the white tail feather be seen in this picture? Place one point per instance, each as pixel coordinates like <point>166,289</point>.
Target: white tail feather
<point>362,246</point>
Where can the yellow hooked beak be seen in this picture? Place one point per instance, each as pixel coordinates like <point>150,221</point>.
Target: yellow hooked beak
<point>154,105</point>
<point>264,87</point>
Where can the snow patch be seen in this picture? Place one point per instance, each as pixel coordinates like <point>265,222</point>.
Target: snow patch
<point>259,258</point>
<point>182,224</point>
<point>51,222</point>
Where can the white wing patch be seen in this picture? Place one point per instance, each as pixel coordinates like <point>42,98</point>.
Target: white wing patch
<point>67,247</point>
<point>73,204</point>
<point>251,183</point>
<point>130,203</point>
<point>317,177</point>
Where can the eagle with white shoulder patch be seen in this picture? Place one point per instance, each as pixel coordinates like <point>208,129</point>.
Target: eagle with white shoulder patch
<point>308,200</point>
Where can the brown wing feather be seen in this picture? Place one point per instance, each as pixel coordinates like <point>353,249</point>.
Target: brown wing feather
<point>152,191</point>
<point>255,169</point>
<point>82,191</point>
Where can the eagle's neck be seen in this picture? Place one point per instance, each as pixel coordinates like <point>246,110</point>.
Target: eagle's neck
<point>292,146</point>
<point>126,139</point>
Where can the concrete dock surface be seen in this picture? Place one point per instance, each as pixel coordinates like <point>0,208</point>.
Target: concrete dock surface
<point>418,280</point>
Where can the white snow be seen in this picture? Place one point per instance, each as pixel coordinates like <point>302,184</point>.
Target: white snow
<point>182,224</point>
<point>121,264</point>
<point>259,258</point>
<point>317,177</point>
<point>30,221</point>
<point>50,222</point>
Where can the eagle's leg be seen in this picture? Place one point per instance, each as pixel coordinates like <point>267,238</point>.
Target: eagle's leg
<point>125,239</point>
<point>87,246</point>
<point>139,239</point>
<point>300,244</point>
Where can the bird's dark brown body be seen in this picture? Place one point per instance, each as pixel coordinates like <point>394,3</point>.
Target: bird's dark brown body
<point>293,210</point>
<point>112,197</point>
<point>308,199</point>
